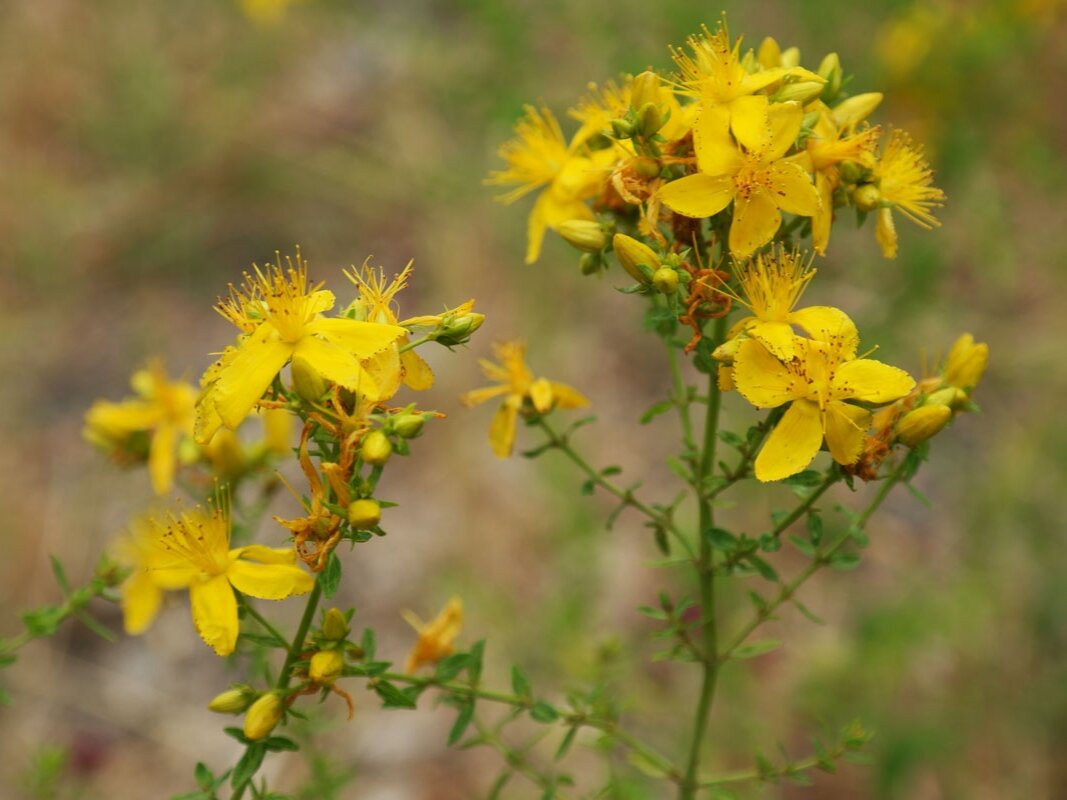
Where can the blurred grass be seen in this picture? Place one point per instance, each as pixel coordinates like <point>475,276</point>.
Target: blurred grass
<point>152,151</point>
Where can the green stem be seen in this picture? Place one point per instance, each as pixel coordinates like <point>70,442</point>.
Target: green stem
<point>415,343</point>
<point>296,647</point>
<point>625,496</point>
<point>706,576</point>
<point>267,626</point>
<point>681,398</point>
<point>787,592</point>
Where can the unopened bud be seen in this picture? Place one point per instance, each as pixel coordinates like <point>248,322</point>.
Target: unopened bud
<point>233,701</point>
<point>458,330</point>
<point>665,280</point>
<point>326,666</point>
<point>791,57</point>
<point>376,448</point>
<point>364,514</point>
<point>636,258</point>
<point>855,109</point>
<point>408,426</point>
<point>649,119</point>
<point>799,91</point>
<point>584,234</point>
<point>622,129</point>
<point>867,197</point>
<point>850,172</point>
<point>921,423</point>
<point>727,351</point>
<point>334,625</point>
<point>307,382</point>
<point>830,71</point>
<point>769,54</point>
<point>966,362</point>
<point>645,89</point>
<point>263,715</point>
<point>590,263</point>
<point>647,168</point>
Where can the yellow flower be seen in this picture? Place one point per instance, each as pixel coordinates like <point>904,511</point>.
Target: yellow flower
<point>818,383</point>
<point>834,140</point>
<point>538,157</point>
<point>281,317</point>
<point>390,368</point>
<point>265,12</point>
<point>436,638</point>
<point>966,363</point>
<point>516,385</point>
<point>904,180</point>
<point>772,283</point>
<point>754,173</point>
<point>716,76</point>
<point>192,550</point>
<point>142,591</point>
<point>163,410</point>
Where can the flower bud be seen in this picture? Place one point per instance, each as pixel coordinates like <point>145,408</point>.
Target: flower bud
<point>947,396</point>
<point>622,129</point>
<point>334,625</point>
<point>364,514</point>
<point>665,280</point>
<point>921,423</point>
<point>791,57</point>
<point>799,91</point>
<point>306,381</point>
<point>769,54</point>
<point>645,89</point>
<point>584,234</point>
<point>376,448</point>
<point>966,362</point>
<point>590,263</point>
<point>830,71</point>
<point>727,351</point>
<point>649,119</point>
<point>647,168</point>
<point>636,258</point>
<point>263,715</point>
<point>326,666</point>
<point>233,701</point>
<point>458,330</point>
<point>867,197</point>
<point>408,426</point>
<point>850,172</point>
<point>855,109</point>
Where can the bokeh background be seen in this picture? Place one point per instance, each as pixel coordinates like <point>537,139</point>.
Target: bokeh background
<point>151,151</point>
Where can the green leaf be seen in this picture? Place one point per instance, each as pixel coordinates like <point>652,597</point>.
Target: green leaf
<point>815,528</point>
<point>803,545</point>
<point>763,568</point>
<point>61,576</point>
<point>809,478</point>
<point>474,668</point>
<point>844,561</point>
<point>663,544</point>
<point>730,438</point>
<point>392,697</point>
<point>248,765</point>
<point>807,612</point>
<point>367,644</point>
<point>238,734</point>
<point>330,577</point>
<point>500,783</point>
<point>96,626</point>
<point>543,712</point>
<point>42,621</point>
<point>655,410</point>
<point>276,744</point>
<point>653,613</point>
<point>721,539</point>
<point>520,684</point>
<point>463,720</point>
<point>205,779</point>
<point>450,667</point>
<point>645,765</point>
<point>756,649</point>
<point>565,745</point>
<point>608,472</point>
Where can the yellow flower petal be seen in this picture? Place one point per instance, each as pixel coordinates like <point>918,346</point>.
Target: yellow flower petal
<point>141,599</point>
<point>749,122</point>
<point>715,150</point>
<point>215,613</point>
<point>825,324</point>
<point>567,396</point>
<point>793,190</point>
<point>417,373</point>
<point>886,233</point>
<point>761,378</point>
<point>269,581</point>
<point>775,336</point>
<point>824,217</point>
<point>248,374</point>
<point>784,121</point>
<point>541,395</point>
<point>476,397</point>
<point>502,428</point>
<point>756,220</point>
<point>337,365</point>
<point>793,443</point>
<point>698,195</point>
<point>161,458</point>
<point>264,554</point>
<point>871,381</point>
<point>846,427</point>
<point>362,339</point>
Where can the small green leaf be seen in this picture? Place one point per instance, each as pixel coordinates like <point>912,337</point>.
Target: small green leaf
<point>655,410</point>
<point>466,714</point>
<point>763,568</point>
<point>756,649</point>
<point>393,697</point>
<point>653,613</point>
<point>543,712</point>
<point>520,684</point>
<point>721,539</point>
<point>96,627</point>
<point>205,779</point>
<point>450,667</point>
<point>815,528</point>
<point>61,575</point>
<point>608,472</point>
<point>645,765</point>
<point>803,545</point>
<point>845,561</point>
<point>279,743</point>
<point>248,765</point>
<point>474,668</point>
<point>807,612</point>
<point>368,644</point>
<point>500,783</point>
<point>42,621</point>
<point>730,438</point>
<point>330,577</point>
<point>565,745</point>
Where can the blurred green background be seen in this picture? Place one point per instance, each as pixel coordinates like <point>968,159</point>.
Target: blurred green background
<point>149,152</point>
